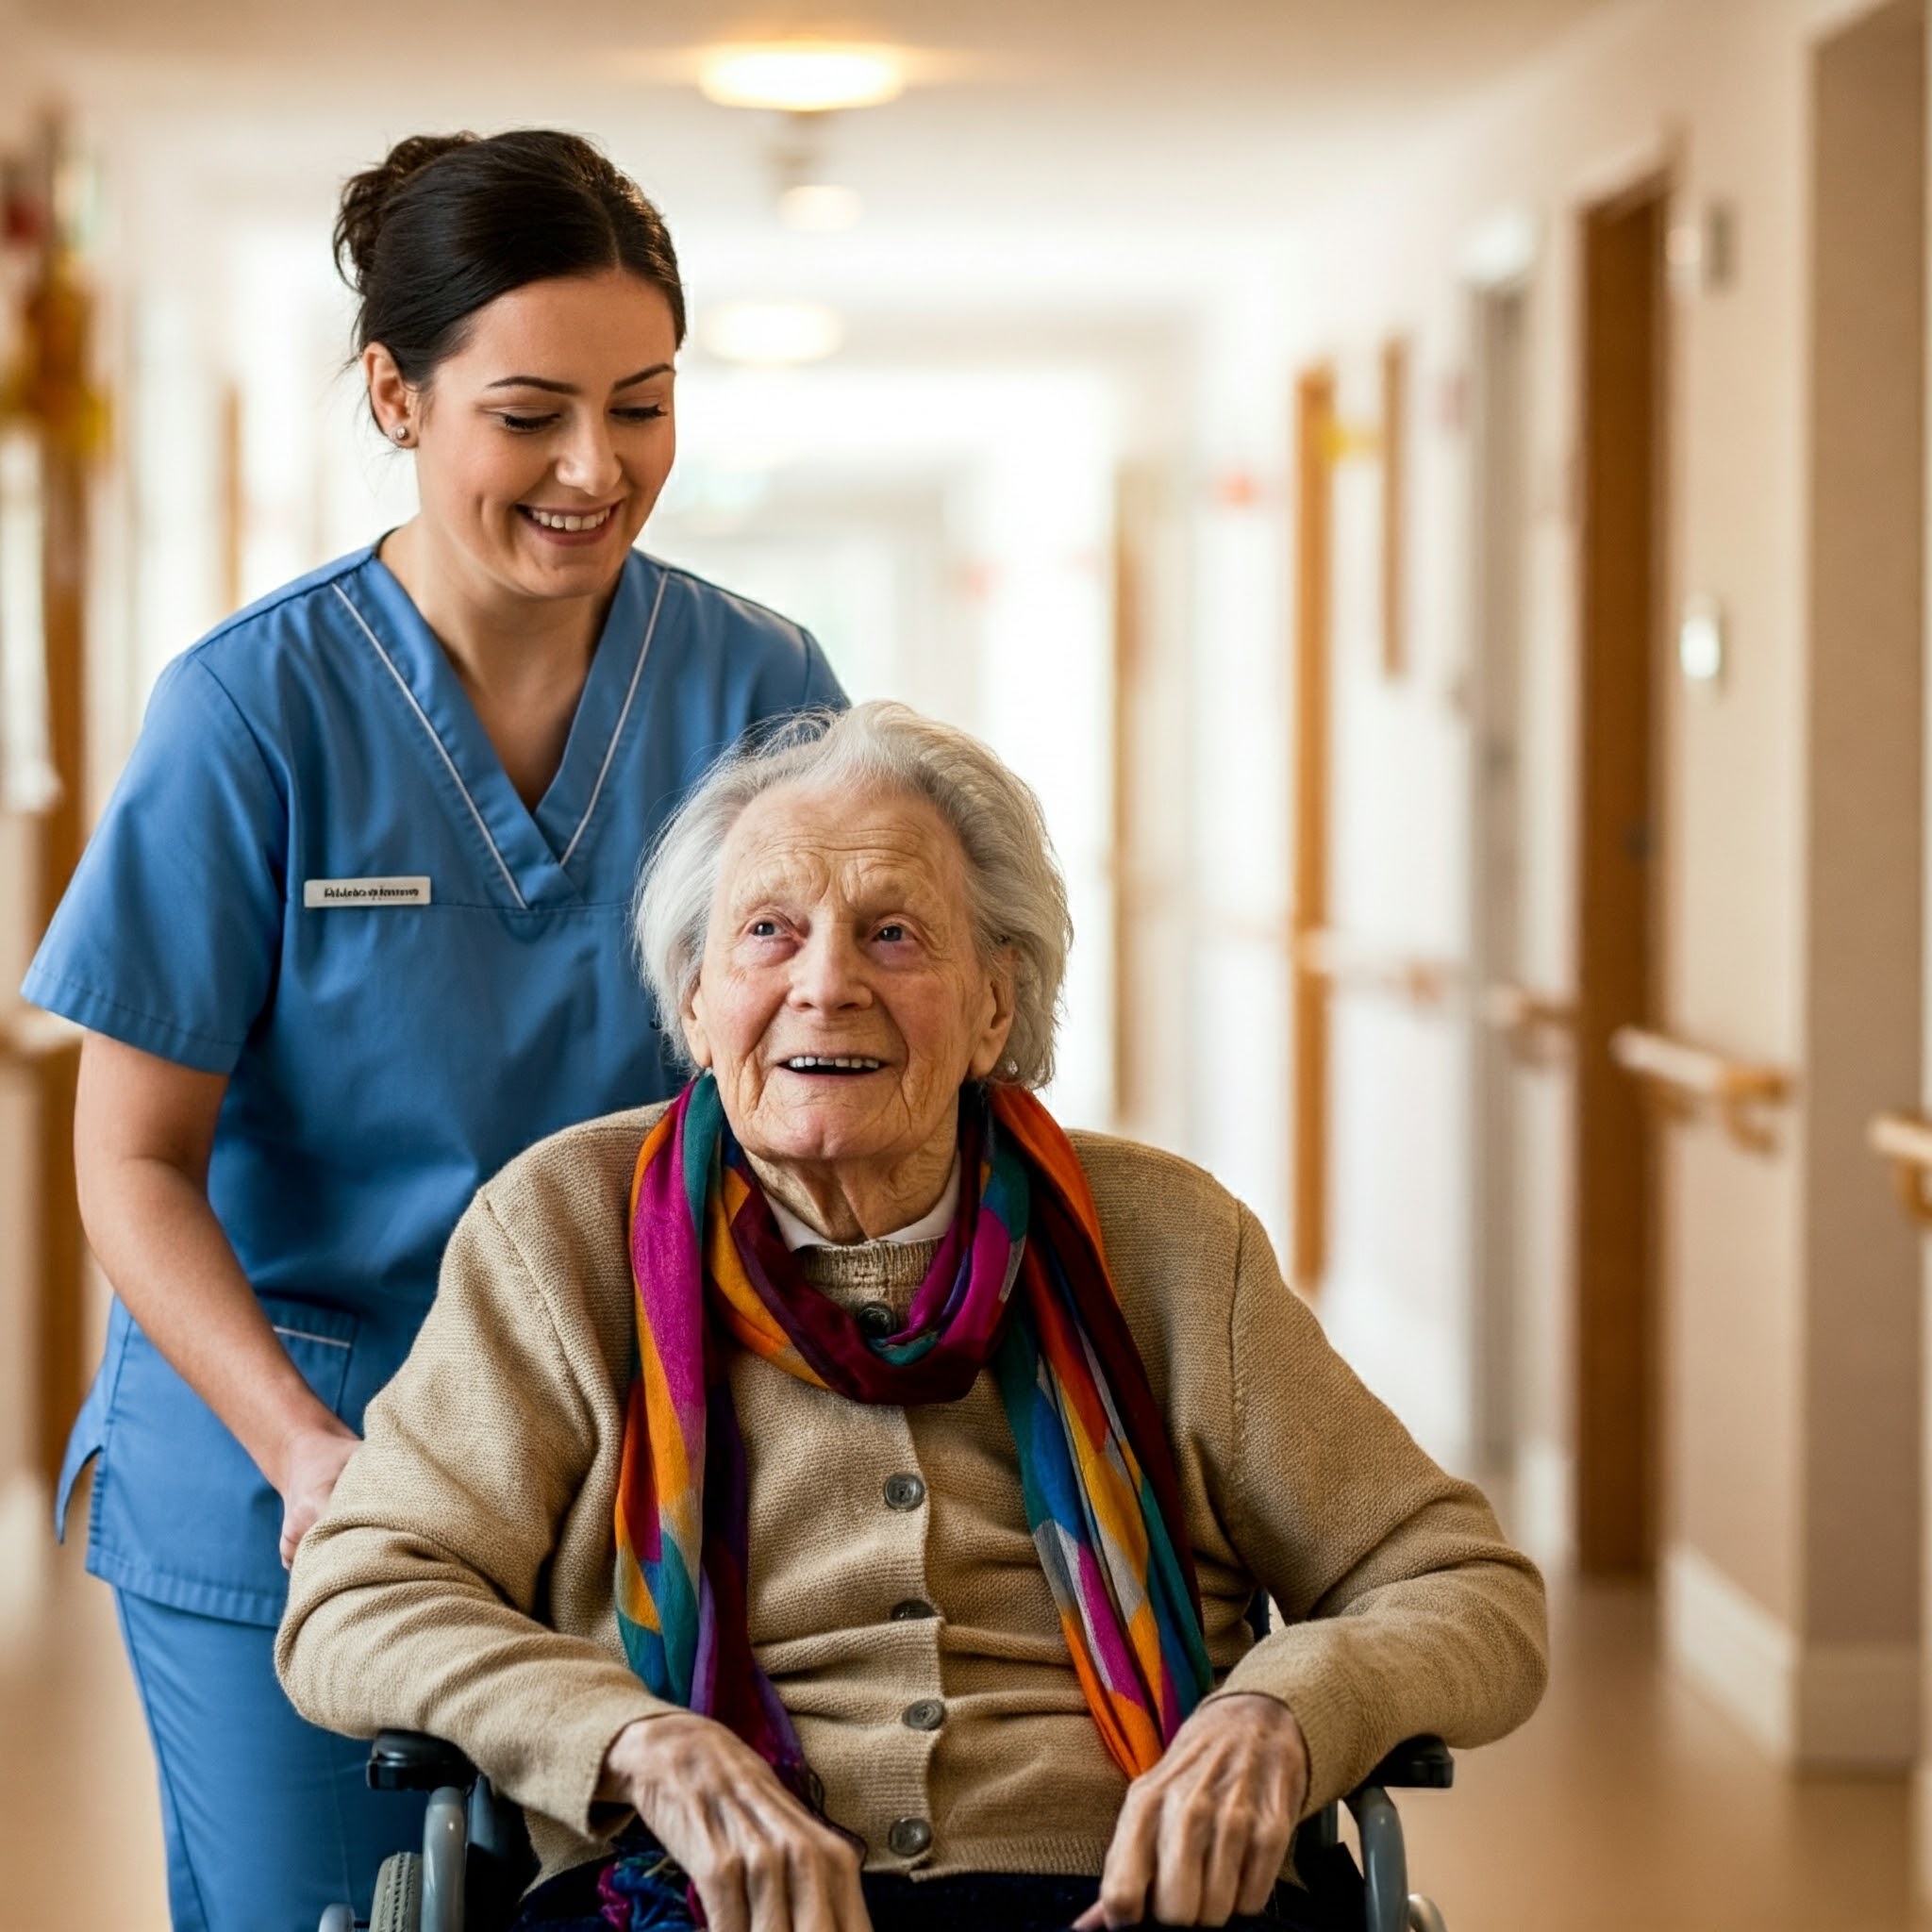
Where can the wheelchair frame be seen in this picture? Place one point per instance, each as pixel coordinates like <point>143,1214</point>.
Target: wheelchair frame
<point>476,1855</point>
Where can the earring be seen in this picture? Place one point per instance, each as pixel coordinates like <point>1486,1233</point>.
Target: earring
<point>401,432</point>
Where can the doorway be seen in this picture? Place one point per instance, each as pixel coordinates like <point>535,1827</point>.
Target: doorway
<point>1621,475</point>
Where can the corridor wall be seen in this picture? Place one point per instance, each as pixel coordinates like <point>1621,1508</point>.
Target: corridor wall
<point>1809,1638</point>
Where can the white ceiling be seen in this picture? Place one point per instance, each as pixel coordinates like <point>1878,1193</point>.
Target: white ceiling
<point>1122,111</point>
<point>1096,155</point>
<point>1299,52</point>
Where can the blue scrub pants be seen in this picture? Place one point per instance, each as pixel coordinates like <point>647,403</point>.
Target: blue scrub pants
<point>266,1819</point>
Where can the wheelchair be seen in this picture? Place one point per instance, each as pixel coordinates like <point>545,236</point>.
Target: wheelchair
<point>475,1859</point>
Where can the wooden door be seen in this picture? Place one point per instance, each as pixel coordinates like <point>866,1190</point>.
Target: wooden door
<point>1309,1019</point>
<point>57,408</point>
<point>1620,471</point>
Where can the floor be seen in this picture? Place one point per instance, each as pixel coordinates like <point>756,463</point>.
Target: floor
<point>1627,1802</point>
<point>76,1791</point>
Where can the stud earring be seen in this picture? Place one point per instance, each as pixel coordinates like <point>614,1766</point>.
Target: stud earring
<point>401,432</point>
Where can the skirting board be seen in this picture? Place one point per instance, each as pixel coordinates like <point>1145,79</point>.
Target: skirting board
<point>1821,1706</point>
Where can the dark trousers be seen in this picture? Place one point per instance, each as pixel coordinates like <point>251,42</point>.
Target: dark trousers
<point>999,1902</point>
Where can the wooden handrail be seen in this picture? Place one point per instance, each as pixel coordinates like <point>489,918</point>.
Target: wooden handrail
<point>1905,1139</point>
<point>1322,952</point>
<point>1684,1078</point>
<point>1537,1025</point>
<point>29,1036</point>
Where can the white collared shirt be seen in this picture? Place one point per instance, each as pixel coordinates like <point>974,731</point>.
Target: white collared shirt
<point>930,1226</point>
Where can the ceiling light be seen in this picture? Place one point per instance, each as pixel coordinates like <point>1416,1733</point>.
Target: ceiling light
<point>820,207</point>
<point>802,77</point>
<point>772,334</point>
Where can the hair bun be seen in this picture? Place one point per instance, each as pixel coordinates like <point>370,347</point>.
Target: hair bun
<point>449,222</point>
<point>366,199</point>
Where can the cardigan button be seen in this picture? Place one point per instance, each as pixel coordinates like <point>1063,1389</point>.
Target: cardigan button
<point>877,1320</point>
<point>929,1714</point>
<point>909,1838</point>
<point>903,1492</point>
<point>913,1609</point>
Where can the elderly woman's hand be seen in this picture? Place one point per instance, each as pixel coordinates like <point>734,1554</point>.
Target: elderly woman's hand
<point>760,1861</point>
<point>1203,1835</point>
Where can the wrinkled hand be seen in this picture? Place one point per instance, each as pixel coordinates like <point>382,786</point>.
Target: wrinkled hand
<point>760,1861</point>
<point>1203,1835</point>
<point>311,1461</point>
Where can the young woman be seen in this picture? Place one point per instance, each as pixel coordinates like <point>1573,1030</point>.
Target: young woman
<point>353,932</point>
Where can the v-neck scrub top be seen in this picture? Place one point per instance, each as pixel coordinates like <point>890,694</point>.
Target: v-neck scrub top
<point>316,877</point>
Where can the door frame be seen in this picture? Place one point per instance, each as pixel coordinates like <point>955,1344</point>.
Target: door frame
<point>1311,686</point>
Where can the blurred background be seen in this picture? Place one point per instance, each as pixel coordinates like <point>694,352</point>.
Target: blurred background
<point>1432,492</point>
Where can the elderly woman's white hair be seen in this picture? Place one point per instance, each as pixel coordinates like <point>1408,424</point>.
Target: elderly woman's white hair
<point>1019,900</point>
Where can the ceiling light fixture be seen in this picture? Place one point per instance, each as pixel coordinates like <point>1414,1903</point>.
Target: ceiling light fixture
<point>802,77</point>
<point>772,334</point>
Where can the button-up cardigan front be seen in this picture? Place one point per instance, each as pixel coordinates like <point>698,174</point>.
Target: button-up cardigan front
<point>462,1580</point>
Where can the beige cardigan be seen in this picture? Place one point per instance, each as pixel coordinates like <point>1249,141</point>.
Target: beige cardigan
<point>460,1582</point>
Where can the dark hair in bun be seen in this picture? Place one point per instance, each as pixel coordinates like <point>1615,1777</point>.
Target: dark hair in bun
<point>450,222</point>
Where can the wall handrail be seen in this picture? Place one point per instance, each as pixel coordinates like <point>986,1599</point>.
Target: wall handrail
<point>1344,961</point>
<point>1536,1025</point>
<point>1685,1079</point>
<point>1905,1141</point>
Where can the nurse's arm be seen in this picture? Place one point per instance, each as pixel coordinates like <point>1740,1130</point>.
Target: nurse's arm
<point>143,1130</point>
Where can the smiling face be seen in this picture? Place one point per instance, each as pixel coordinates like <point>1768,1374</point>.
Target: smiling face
<point>842,1001</point>
<point>543,443</point>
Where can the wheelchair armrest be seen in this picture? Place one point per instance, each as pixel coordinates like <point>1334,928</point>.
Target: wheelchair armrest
<point>414,1761</point>
<point>1416,1764</point>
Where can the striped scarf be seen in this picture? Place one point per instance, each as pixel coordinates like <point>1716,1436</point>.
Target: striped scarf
<point>1096,1474</point>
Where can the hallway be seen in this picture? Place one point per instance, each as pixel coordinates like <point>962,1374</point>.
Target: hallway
<point>1436,501</point>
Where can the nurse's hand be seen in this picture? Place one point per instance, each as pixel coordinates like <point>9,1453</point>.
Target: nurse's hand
<point>312,1458</point>
<point>1203,1835</point>
<point>761,1862</point>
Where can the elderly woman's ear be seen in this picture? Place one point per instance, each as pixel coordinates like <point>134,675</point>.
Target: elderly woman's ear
<point>998,1024</point>
<point>695,1038</point>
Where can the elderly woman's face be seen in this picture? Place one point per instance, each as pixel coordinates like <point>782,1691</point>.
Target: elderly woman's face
<point>841,1001</point>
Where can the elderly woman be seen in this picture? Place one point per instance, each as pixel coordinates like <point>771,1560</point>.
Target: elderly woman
<point>836,1498</point>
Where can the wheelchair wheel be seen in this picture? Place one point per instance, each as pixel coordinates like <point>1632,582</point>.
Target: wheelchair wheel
<point>398,1894</point>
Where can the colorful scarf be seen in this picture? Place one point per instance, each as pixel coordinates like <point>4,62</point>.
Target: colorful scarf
<point>1096,1474</point>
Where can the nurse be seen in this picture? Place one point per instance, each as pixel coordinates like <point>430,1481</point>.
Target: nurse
<point>352,933</point>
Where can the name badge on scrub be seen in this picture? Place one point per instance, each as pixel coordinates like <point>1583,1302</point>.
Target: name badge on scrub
<point>326,894</point>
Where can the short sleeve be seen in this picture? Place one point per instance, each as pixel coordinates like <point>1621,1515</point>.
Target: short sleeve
<point>822,691</point>
<point>169,936</point>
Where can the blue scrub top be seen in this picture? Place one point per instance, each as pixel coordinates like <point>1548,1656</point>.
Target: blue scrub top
<point>385,1056</point>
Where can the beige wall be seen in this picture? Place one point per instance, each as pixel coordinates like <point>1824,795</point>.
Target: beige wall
<point>1783,1540</point>
<point>1863,975</point>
